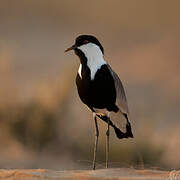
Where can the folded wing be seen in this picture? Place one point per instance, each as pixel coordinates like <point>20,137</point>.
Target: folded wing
<point>121,100</point>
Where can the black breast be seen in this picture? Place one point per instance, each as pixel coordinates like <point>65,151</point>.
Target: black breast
<point>99,92</point>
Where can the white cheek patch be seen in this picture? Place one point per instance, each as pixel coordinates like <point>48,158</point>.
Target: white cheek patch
<point>94,57</point>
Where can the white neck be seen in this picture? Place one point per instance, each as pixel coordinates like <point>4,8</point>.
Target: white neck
<point>94,57</point>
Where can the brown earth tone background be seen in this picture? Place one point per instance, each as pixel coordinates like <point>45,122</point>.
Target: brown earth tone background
<point>43,124</point>
<point>111,174</point>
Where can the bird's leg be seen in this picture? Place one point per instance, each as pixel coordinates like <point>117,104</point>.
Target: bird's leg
<point>107,141</point>
<point>96,132</point>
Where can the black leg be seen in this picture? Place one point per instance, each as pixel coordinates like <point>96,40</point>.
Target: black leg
<point>96,140</point>
<point>107,142</point>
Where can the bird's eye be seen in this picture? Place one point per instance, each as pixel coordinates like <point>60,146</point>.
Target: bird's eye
<point>86,41</point>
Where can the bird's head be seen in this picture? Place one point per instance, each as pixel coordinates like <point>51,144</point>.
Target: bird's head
<point>88,45</point>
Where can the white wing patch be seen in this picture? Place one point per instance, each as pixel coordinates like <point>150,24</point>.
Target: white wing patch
<point>79,70</point>
<point>94,57</point>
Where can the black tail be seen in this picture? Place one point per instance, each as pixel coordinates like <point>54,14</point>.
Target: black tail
<point>127,134</point>
<point>119,133</point>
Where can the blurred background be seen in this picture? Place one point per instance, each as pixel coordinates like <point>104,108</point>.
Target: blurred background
<point>43,124</point>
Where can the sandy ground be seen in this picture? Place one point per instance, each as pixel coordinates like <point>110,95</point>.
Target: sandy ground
<point>118,173</point>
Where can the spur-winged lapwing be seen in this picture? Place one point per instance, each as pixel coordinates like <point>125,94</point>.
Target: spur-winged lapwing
<point>100,88</point>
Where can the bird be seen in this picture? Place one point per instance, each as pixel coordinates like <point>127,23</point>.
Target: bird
<point>101,89</point>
